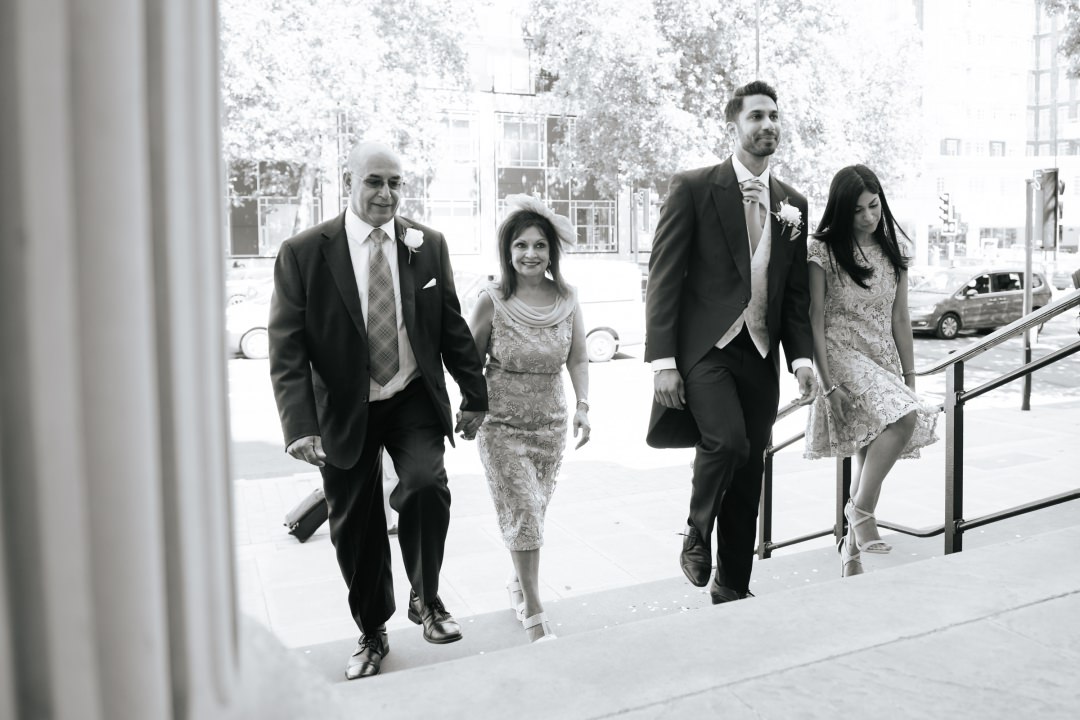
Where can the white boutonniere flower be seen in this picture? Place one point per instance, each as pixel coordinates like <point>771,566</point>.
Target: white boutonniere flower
<point>413,240</point>
<point>789,216</point>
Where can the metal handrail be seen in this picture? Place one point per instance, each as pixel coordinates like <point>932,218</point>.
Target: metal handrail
<point>956,397</point>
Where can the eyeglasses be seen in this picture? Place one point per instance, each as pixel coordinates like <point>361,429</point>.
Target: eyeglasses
<point>375,183</point>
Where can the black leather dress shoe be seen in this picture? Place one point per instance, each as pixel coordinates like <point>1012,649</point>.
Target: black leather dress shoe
<point>722,593</point>
<point>366,660</point>
<point>439,626</point>
<point>696,559</point>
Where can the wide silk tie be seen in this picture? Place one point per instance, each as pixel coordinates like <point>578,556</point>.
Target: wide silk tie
<point>382,323</point>
<point>754,210</point>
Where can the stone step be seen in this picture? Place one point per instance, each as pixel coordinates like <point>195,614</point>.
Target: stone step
<point>990,633</point>
<point>498,631</point>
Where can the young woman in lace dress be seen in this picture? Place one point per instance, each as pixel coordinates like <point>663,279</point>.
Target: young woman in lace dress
<point>863,351</point>
<point>528,327</point>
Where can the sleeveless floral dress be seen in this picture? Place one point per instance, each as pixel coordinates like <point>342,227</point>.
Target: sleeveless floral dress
<point>862,355</point>
<point>524,433</point>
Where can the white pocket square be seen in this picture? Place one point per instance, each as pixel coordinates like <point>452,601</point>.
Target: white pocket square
<point>430,283</point>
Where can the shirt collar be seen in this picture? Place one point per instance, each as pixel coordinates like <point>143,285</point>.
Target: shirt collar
<point>358,229</point>
<point>742,174</point>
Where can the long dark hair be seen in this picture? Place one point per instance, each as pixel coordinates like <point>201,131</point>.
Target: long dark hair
<point>837,226</point>
<point>516,223</point>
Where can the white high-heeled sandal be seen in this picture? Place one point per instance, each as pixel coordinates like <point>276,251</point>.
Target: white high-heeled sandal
<point>519,608</point>
<point>850,562</point>
<point>871,546</point>
<point>540,619</point>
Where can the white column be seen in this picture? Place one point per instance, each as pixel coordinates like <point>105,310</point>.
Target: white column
<point>187,227</point>
<point>117,570</point>
<point>44,476</point>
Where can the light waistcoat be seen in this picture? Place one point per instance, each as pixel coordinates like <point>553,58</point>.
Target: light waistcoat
<point>753,317</point>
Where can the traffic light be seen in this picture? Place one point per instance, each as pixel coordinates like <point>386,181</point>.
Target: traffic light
<point>944,209</point>
<point>1048,190</point>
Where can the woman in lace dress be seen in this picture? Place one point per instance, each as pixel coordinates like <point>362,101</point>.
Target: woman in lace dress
<point>528,326</point>
<point>863,351</point>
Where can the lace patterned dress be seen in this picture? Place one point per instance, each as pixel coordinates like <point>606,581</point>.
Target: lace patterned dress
<point>524,433</point>
<point>862,355</point>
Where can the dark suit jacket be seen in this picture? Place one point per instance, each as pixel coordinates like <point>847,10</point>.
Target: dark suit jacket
<point>699,281</point>
<point>318,339</point>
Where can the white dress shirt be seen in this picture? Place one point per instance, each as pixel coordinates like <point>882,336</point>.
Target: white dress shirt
<point>357,231</point>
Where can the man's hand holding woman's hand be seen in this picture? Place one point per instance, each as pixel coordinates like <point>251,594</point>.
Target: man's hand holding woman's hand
<point>309,449</point>
<point>468,422</point>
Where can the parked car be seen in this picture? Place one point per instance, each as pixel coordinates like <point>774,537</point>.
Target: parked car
<point>245,327</point>
<point>609,292</point>
<point>1061,279</point>
<point>248,282</point>
<point>610,295</point>
<point>946,301</point>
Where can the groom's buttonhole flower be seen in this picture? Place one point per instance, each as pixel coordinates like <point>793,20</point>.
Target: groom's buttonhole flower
<point>790,216</point>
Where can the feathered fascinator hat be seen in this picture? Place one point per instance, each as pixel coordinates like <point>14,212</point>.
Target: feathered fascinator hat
<point>563,227</point>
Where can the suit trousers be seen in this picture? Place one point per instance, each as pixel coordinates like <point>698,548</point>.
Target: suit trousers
<point>733,394</point>
<point>408,427</point>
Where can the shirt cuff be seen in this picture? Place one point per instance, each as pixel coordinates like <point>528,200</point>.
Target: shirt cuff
<point>663,364</point>
<point>801,363</point>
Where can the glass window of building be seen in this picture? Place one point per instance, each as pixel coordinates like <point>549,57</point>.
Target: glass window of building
<point>268,203</point>
<point>520,143</point>
<point>452,192</point>
<point>527,163</point>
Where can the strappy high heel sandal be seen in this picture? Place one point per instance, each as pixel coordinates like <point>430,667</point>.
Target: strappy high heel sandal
<point>851,510</point>
<point>519,608</point>
<point>540,619</point>
<point>850,562</point>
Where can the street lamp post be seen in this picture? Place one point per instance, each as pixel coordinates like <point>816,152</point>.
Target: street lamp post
<point>757,38</point>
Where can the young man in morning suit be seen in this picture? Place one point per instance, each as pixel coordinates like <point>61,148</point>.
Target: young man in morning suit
<point>727,284</point>
<point>364,314</point>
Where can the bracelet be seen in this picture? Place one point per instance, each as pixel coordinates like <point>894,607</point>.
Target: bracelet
<point>585,403</point>
<point>909,372</point>
<point>833,389</point>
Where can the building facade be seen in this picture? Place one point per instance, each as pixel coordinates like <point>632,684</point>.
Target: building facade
<point>998,109</point>
<point>497,140</point>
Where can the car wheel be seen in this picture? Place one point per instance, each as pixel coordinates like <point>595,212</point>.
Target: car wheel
<point>948,326</point>
<point>601,346</point>
<point>255,344</point>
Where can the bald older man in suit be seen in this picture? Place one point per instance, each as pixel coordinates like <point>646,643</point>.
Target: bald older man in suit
<point>363,317</point>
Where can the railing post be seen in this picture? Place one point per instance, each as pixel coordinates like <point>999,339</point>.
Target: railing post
<point>843,492</point>
<point>954,457</point>
<point>764,550</point>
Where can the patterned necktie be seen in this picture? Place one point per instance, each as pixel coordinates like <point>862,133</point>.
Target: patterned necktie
<point>754,210</point>
<point>382,313</point>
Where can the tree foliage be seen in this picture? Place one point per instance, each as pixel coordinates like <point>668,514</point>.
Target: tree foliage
<point>646,82</point>
<point>1069,11</point>
<point>291,67</point>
